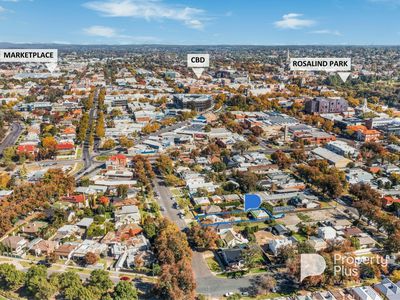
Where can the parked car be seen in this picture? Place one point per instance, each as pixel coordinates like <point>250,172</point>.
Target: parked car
<point>44,263</point>
<point>228,294</point>
<point>124,278</point>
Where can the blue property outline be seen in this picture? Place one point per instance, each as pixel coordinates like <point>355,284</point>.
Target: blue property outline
<point>270,217</point>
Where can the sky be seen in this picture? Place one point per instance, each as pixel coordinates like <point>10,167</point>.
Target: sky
<point>201,22</point>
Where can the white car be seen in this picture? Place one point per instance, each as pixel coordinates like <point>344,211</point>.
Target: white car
<point>228,294</point>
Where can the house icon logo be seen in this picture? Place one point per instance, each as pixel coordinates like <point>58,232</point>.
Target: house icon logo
<point>311,265</point>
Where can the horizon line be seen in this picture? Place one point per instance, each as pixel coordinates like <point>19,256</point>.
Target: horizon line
<point>205,45</point>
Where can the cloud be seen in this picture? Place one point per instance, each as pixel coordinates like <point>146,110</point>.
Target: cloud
<point>102,31</point>
<point>111,33</point>
<point>293,21</point>
<point>2,9</point>
<point>327,32</point>
<point>149,10</point>
<point>390,2</point>
<point>14,1</point>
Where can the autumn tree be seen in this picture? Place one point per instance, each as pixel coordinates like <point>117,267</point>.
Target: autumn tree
<point>125,142</point>
<point>164,164</point>
<point>49,143</point>
<point>281,159</point>
<point>82,127</point>
<point>241,146</point>
<point>91,258</point>
<point>176,280</point>
<point>298,155</point>
<point>151,127</point>
<point>108,144</point>
<point>203,237</point>
<point>264,284</point>
<point>100,126</point>
<point>4,180</point>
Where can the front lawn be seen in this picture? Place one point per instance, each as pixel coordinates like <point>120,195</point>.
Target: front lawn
<point>213,265</point>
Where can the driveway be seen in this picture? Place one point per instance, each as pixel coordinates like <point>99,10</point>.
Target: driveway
<point>210,285</point>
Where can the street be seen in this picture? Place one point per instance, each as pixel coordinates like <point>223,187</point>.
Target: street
<point>207,283</point>
<point>164,199</point>
<point>11,138</point>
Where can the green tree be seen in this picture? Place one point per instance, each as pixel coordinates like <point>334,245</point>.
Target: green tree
<point>252,256</point>
<point>10,277</point>
<point>68,279</point>
<point>9,154</point>
<point>124,291</point>
<point>37,284</point>
<point>247,181</point>
<point>79,292</point>
<point>101,280</point>
<point>241,146</point>
<point>122,190</point>
<point>218,167</point>
<point>45,290</point>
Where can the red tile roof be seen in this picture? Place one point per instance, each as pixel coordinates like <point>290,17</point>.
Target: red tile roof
<point>74,198</point>
<point>118,157</point>
<point>26,148</point>
<point>65,146</point>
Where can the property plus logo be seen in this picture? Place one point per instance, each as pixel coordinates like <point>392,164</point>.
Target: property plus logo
<point>311,265</point>
<point>343,265</point>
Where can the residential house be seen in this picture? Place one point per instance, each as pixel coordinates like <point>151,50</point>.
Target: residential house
<point>89,246</point>
<point>317,243</point>
<point>233,239</point>
<point>323,295</point>
<point>78,200</point>
<point>32,229</point>
<point>388,289</point>
<point>364,134</point>
<point>357,175</point>
<point>327,233</point>
<point>65,251</point>
<point>232,259</point>
<point>275,245</point>
<point>127,214</point>
<point>118,161</point>
<point>85,223</point>
<point>365,293</point>
<point>43,247</point>
<point>15,245</point>
<point>280,230</point>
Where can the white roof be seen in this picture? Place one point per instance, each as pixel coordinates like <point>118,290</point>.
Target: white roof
<point>128,209</point>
